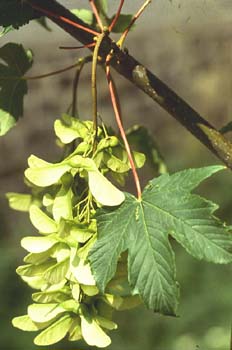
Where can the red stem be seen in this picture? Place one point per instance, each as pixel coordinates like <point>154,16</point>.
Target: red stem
<point>114,21</point>
<point>116,108</point>
<point>64,19</point>
<point>96,14</point>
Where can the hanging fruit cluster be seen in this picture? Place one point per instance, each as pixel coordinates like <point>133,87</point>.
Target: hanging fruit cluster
<point>62,205</point>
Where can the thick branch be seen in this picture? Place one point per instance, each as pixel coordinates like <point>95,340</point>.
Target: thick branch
<point>145,80</point>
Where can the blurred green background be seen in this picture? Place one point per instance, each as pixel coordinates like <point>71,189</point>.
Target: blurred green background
<point>188,45</point>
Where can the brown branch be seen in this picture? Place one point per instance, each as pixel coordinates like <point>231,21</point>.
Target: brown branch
<point>134,71</point>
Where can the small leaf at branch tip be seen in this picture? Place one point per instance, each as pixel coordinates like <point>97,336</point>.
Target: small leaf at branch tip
<point>85,15</point>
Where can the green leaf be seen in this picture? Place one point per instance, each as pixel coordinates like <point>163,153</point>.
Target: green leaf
<point>85,15</point>
<point>102,6</point>
<point>12,87</point>
<point>44,174</point>
<point>15,13</point>
<point>41,221</point>
<point>142,227</point>
<point>55,332</point>
<point>122,23</point>
<point>150,258</point>
<point>19,201</point>
<point>141,140</point>
<point>195,226</point>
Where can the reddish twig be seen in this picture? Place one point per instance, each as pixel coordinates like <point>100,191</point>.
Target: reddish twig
<point>96,14</point>
<point>113,95</point>
<point>64,19</point>
<point>134,71</point>
<point>115,19</point>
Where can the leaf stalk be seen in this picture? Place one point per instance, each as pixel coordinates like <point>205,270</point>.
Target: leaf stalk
<point>113,95</point>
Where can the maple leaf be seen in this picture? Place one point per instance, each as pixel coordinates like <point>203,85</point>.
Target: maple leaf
<point>167,208</point>
<point>15,13</point>
<point>12,86</point>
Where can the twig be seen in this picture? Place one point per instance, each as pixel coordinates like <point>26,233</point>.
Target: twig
<point>96,14</point>
<point>113,95</point>
<point>46,75</point>
<point>134,71</point>
<point>116,16</point>
<point>62,18</point>
<point>94,83</point>
<point>77,47</point>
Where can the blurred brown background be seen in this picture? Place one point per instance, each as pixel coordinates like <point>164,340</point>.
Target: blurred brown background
<point>188,45</point>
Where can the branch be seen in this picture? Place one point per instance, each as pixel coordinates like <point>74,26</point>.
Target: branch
<point>140,76</point>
